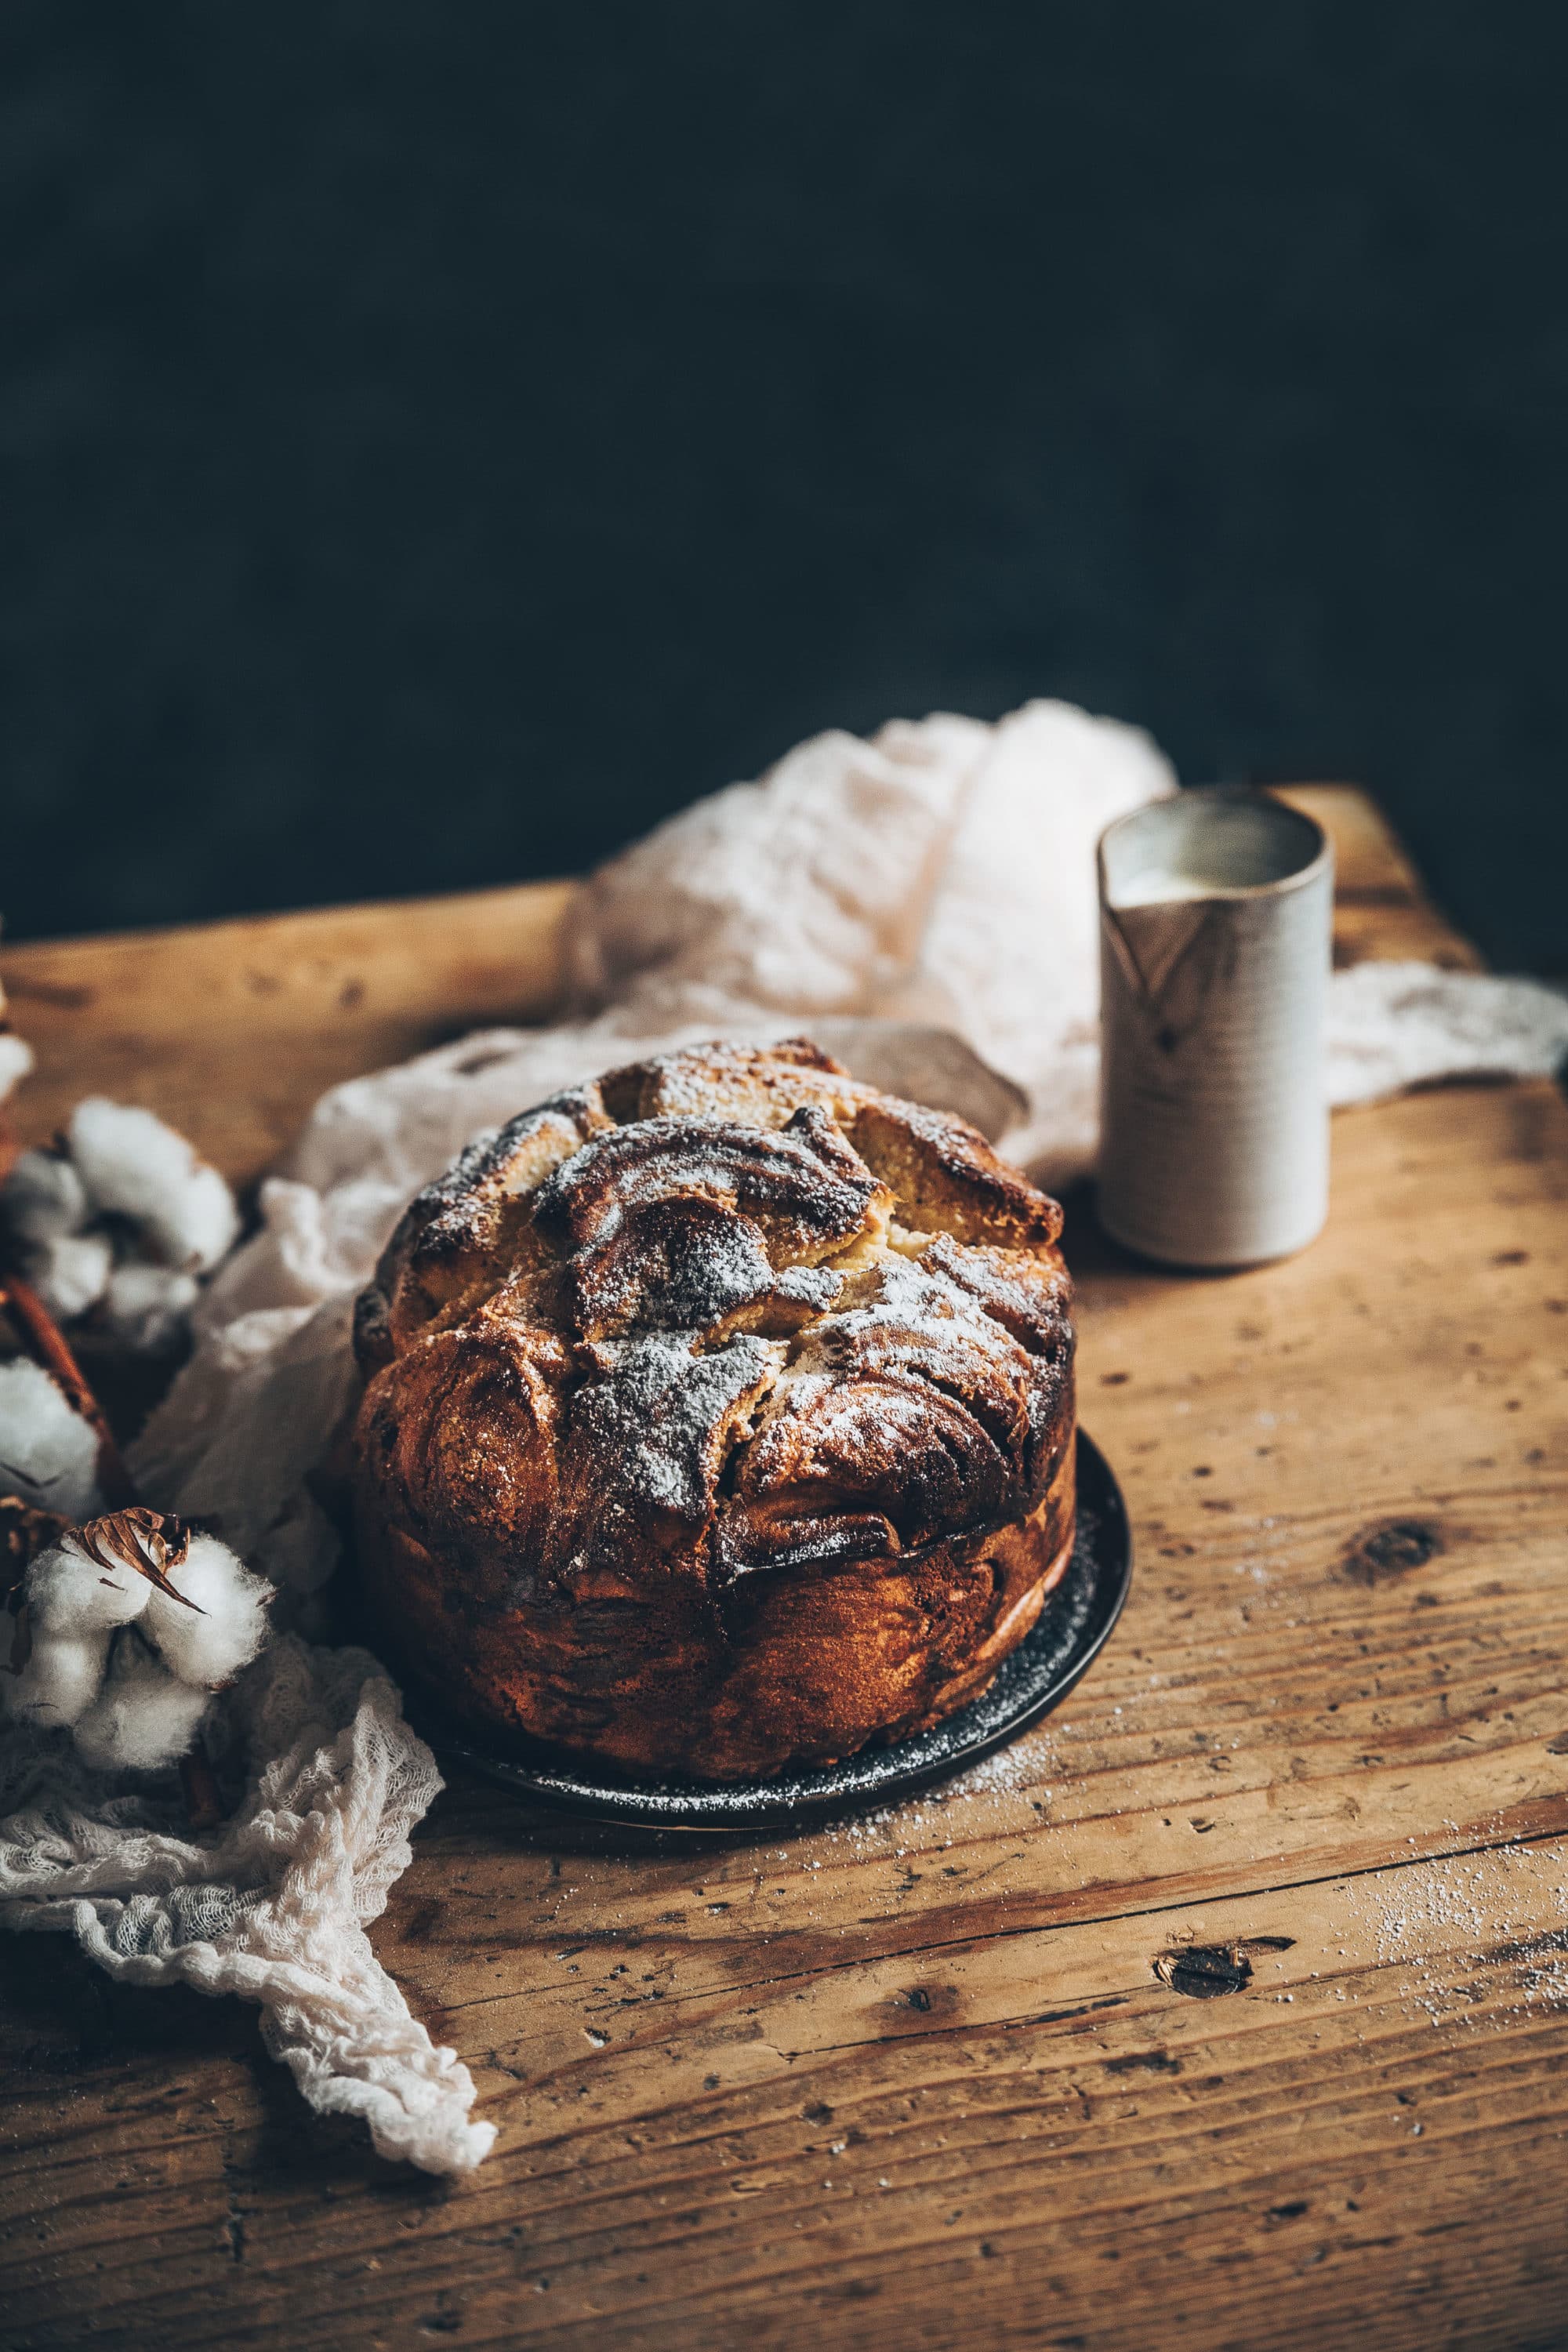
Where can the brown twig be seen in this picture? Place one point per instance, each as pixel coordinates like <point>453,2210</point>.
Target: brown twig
<point>47,1346</point>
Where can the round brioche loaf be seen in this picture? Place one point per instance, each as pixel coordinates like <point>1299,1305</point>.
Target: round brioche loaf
<point>719,1417</point>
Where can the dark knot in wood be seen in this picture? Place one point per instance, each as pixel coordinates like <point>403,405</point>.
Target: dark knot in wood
<point>1390,1547</point>
<point>1204,1971</point>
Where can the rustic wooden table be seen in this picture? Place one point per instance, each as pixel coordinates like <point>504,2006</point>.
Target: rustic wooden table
<point>1228,2009</point>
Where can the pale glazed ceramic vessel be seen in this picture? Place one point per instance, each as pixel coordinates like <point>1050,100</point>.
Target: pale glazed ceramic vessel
<point>1216,911</point>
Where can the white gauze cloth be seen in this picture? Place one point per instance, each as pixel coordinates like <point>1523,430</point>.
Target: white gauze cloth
<point>272,1905</point>
<point>924,905</point>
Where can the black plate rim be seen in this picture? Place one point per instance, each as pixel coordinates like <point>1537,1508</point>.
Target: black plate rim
<point>875,1775</point>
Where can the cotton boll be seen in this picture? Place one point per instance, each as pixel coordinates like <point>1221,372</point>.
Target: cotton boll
<point>144,1717</point>
<point>48,1453</point>
<point>147,1305</point>
<point>128,1160</point>
<point>15,1061</point>
<point>135,1165</point>
<point>197,1225</point>
<point>68,1593</point>
<point>60,1680</point>
<point>43,1197</point>
<point>71,1272</point>
<point>233,1624</point>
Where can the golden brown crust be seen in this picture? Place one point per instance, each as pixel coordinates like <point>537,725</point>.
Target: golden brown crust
<point>717,1416</point>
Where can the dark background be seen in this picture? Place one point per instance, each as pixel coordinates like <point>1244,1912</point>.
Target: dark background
<point>441,438</point>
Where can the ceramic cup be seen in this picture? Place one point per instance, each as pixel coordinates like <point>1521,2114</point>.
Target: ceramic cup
<point>1216,910</point>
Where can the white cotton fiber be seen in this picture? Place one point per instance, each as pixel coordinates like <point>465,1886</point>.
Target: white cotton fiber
<point>132,1694</point>
<point>71,1272</point>
<point>122,1162</point>
<point>70,1593</point>
<point>197,1225</point>
<point>143,1718</point>
<point>135,1166</point>
<point>60,1680</point>
<point>233,1624</point>
<point>147,1305</point>
<point>128,1160</point>
<point>15,1061</point>
<point>43,1197</point>
<point>48,1455</point>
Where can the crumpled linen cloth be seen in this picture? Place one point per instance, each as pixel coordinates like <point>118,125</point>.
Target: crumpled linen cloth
<point>274,1904</point>
<point>923,904</point>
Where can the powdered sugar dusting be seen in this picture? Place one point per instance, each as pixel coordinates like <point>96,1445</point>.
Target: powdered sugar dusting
<point>915,1319</point>
<point>1471,1936</point>
<point>655,1426</point>
<point>716,1275</point>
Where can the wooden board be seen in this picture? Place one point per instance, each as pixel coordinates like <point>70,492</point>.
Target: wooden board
<point>1230,2008</point>
<point>232,1029</point>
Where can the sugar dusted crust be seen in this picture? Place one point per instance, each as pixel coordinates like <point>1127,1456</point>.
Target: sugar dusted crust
<point>719,1416</point>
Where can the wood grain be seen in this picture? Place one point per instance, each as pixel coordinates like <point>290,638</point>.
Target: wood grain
<point>231,1030</point>
<point>941,2078</point>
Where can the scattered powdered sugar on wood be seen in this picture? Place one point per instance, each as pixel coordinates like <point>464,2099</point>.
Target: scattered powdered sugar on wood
<point>974,1805</point>
<point>1012,1771</point>
<point>1474,1937</point>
